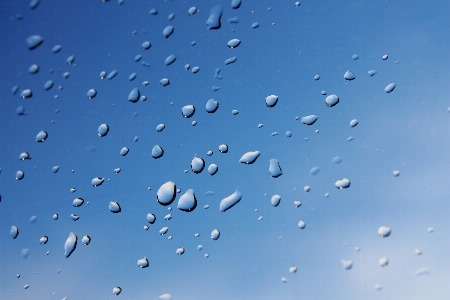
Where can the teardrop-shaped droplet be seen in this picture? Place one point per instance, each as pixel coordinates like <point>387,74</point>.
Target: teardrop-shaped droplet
<point>114,207</point>
<point>274,168</point>
<point>187,111</point>
<point>212,105</point>
<point>215,15</point>
<point>142,263</point>
<point>86,240</point>
<point>249,157</point>
<point>271,100</point>
<point>97,181</point>
<point>134,95</point>
<point>166,193</point>
<point>117,290</point>
<point>70,245</point>
<point>197,165</point>
<point>309,120</point>
<point>20,175</point>
<point>384,231</point>
<point>170,60</point>
<point>233,43</point>
<point>230,201</point>
<point>34,41</point>
<point>78,202</point>
<point>168,31</point>
<point>43,240</point>
<point>332,100</point>
<point>157,151</point>
<point>103,130</point>
<point>342,183</point>
<point>41,136</point>
<point>275,200</point>
<point>349,75</point>
<point>212,169</point>
<point>188,201</point>
<point>124,151</point>
<point>390,87</point>
<point>215,234</point>
<point>14,232</point>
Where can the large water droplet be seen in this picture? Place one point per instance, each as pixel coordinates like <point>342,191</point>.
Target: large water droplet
<point>70,245</point>
<point>103,130</point>
<point>168,31</point>
<point>124,151</point>
<point>230,201</point>
<point>197,165</point>
<point>134,95</point>
<point>309,120</point>
<point>233,43</point>
<point>383,262</point>
<point>275,200</point>
<point>271,100</point>
<point>212,169</point>
<point>230,60</point>
<point>97,181</point>
<point>274,168</point>
<point>41,136</point>
<point>78,202</point>
<point>25,253</point>
<point>170,60</point>
<point>163,230</point>
<point>349,75</point>
<point>114,207</point>
<point>14,232</point>
<point>187,201</point>
<point>384,231</point>
<point>346,264</point>
<point>215,234</point>
<point>166,193</point>
<point>188,111</point>
<point>20,175</point>
<point>34,41</point>
<point>117,290</point>
<point>151,218</point>
<point>332,100</point>
<point>211,106</point>
<point>342,183</point>
<point>142,263</point>
<point>215,14</point>
<point>390,87</point>
<point>157,151</point>
<point>249,157</point>
<point>86,240</point>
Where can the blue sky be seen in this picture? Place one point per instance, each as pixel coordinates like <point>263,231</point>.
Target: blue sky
<point>405,130</point>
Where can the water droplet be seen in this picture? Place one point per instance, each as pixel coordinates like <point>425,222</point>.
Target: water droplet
<point>20,175</point>
<point>342,183</point>
<point>151,218</point>
<point>157,151</point>
<point>235,112</point>
<point>417,251</point>
<point>384,231</point>
<point>293,269</point>
<point>346,264</point>
<point>199,247</point>
<point>249,157</point>
<point>430,229</point>
<point>217,74</point>
<point>164,82</point>
<point>171,17</point>
<point>146,45</point>
<point>297,203</point>
<point>275,201</point>
<point>97,181</point>
<point>284,279</point>
<point>132,77</point>
<point>142,263</point>
<point>288,133</point>
<point>271,100</point>
<point>168,31</point>
<point>195,69</point>
<point>197,165</point>
<point>337,159</point>
<point>14,232</point>
<point>26,94</point>
<point>74,217</point>
<point>211,106</point>
<point>324,93</point>
<point>230,201</point>
<point>314,171</point>
<point>166,193</point>
<point>25,253</point>
<point>230,60</point>
<point>114,207</point>
<point>331,100</point>
<point>34,41</point>
<point>167,217</point>
<point>70,59</point>
<point>70,245</point>
<point>188,201</point>
<point>66,75</point>
<point>353,123</point>
<point>170,60</point>
<point>86,240</point>
<point>215,15</point>
<point>20,111</point>
<point>41,136</point>
<point>160,127</point>
<point>233,43</point>
<point>56,48</point>
<point>307,188</point>
<point>55,217</point>
<point>212,169</point>
<point>43,240</point>
<point>117,290</point>
<point>33,69</point>
<point>223,148</point>
<point>309,120</point>
<point>274,168</point>
<point>192,10</point>
<point>112,74</point>
<point>73,190</point>
<point>317,77</point>
<point>384,57</point>
<point>255,25</point>
<point>24,156</point>
<point>188,111</point>
<point>390,87</point>
<point>180,251</point>
<point>301,224</point>
<point>124,151</point>
<point>165,297</point>
<point>215,234</point>
<point>396,173</point>
<point>383,262</point>
<point>349,75</point>
<point>186,67</point>
<point>422,271</point>
<point>355,56</point>
<point>78,202</point>
<point>134,95</point>
<point>102,75</point>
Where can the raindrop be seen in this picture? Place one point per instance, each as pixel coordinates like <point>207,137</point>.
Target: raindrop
<point>153,11</point>
<point>55,217</point>
<point>284,279</point>
<point>384,231</point>
<point>74,217</point>
<point>275,201</point>
<point>314,171</point>
<point>168,31</point>
<point>309,120</point>
<point>192,10</point>
<point>117,290</point>
<point>230,60</point>
<point>157,151</point>
<point>186,67</point>
<point>112,74</point>
<point>167,217</point>
<point>417,251</point>
<point>230,201</point>
<point>86,240</point>
<point>195,70</point>
<point>249,157</point>
<point>73,190</point>
<point>212,169</point>
<point>223,148</point>
<point>103,130</point>
<point>136,58</point>
<point>114,207</point>
<point>124,151</point>
<point>188,201</point>
<point>20,111</point>
<point>20,175</point>
<point>33,69</point>
<point>260,218</point>
<point>170,60</point>
<point>317,77</point>
<point>297,203</point>
<point>188,111</point>
<point>331,100</point>
<point>217,74</point>
<point>78,202</point>
<point>197,165</point>
<point>34,41</point>
<point>25,253</point>
<point>301,224</point>
<point>324,93</point>
<point>102,75</point>
<point>164,82</point>
<point>396,173</point>
<point>293,269</point>
<point>355,56</point>
<point>66,75</point>
<point>160,127</point>
<point>271,100</point>
<point>353,123</point>
<point>215,14</point>
<point>383,262</point>
<point>337,159</point>
<point>151,218</point>
<point>209,153</point>
<point>26,94</point>
<point>26,286</point>
<point>132,77</point>
<point>199,247</point>
<point>171,16</point>
<point>371,73</point>
<point>180,251</point>
<point>233,43</point>
<point>234,112</point>
<point>70,245</point>
<point>142,263</point>
<point>389,88</point>
<point>274,168</point>
<point>215,234</point>
<point>212,105</point>
<point>146,45</point>
<point>134,95</point>
<point>255,25</point>
<point>70,59</point>
<point>163,230</point>
<point>24,156</point>
<point>56,48</point>
<point>384,57</point>
<point>14,232</point>
<point>166,193</point>
<point>235,4</point>
<point>326,195</point>
<point>146,227</point>
<point>97,181</point>
<point>349,75</point>
<point>342,183</point>
<point>307,188</point>
<point>346,264</point>
<point>288,133</point>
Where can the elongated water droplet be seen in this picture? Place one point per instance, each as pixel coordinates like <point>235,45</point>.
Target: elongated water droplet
<point>215,234</point>
<point>163,230</point>
<point>346,264</point>
<point>390,87</point>
<point>134,95</point>
<point>230,60</point>
<point>70,245</point>
<point>383,262</point>
<point>215,15</point>
<point>56,48</point>
<point>235,4</point>
<point>41,136</point>
<point>211,106</point>
<point>103,130</point>
<point>384,231</point>
<point>192,10</point>
<point>14,232</point>
<point>167,217</point>
<point>309,120</point>
<point>166,193</point>
<point>25,253</point>
<point>337,159</point>
<point>197,165</point>
<point>170,60</point>
<point>132,77</point>
<point>124,151</point>
<point>396,173</point>
<point>33,69</point>
<point>187,111</point>
<point>249,157</point>
<point>275,200</point>
<point>233,43</point>
<point>97,181</point>
<point>74,217</point>
<point>314,171</point>
<point>255,25</point>
<point>33,219</point>
<point>86,240</point>
<point>157,151</point>
<point>230,201</point>
<point>114,207</point>
<point>164,82</point>
<point>142,263</point>
<point>353,123</point>
<point>117,290</point>
<point>349,75</point>
<point>332,100</point>
<point>78,202</point>
<point>34,41</point>
<point>171,17</point>
<point>342,183</point>
<point>195,70</point>
<point>168,31</point>
<point>26,94</point>
<point>274,168</point>
<point>160,127</point>
<point>271,100</point>
<point>188,201</point>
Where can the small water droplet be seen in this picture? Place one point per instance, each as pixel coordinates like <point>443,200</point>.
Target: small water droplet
<point>171,17</point>
<point>55,217</point>
<point>430,229</point>
<point>97,181</point>
<point>74,217</point>
<point>34,41</point>
<point>197,165</point>
<point>314,171</point>
<point>170,60</point>
<point>235,4</point>
<point>223,148</point>
<point>293,269</point>
<point>384,57</point>
<point>212,169</point>
<point>188,201</point>
<point>192,10</point>
<point>70,59</point>
<point>164,82</point>
<point>25,253</point>
<point>307,188</point>
<point>142,263</point>
<point>390,87</point>
<point>160,127</point>
<point>114,207</point>
<point>355,56</point>
<point>255,25</point>
<point>342,183</point>
<point>309,120</point>
<point>317,77</point>
<point>78,202</point>
<point>56,48</point>
<point>180,251</point>
<point>384,231</point>
<point>73,190</point>
<point>297,203</point>
<point>146,45</point>
<point>274,168</point>
<point>20,175</point>
<point>212,105</point>
<point>331,100</point>
<point>195,69</point>
<point>271,101</point>
<point>86,240</point>
<point>33,69</point>
<point>349,75</point>
<point>168,31</point>
<point>353,123</point>
<point>26,94</point>
<point>157,151</point>
<point>199,247</point>
<point>117,290</point>
<point>396,173</point>
<point>124,151</point>
<point>234,112</point>
<point>215,234</point>
<point>66,75</point>
<point>234,43</point>
<point>275,200</point>
<point>383,262</point>
<point>24,156</point>
<point>417,251</point>
<point>284,280</point>
<point>346,264</point>
<point>230,60</point>
<point>14,232</point>
<point>187,111</point>
<point>70,245</point>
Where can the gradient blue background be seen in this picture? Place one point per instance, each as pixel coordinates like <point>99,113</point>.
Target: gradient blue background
<point>406,130</point>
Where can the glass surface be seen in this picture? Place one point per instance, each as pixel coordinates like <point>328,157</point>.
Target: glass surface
<point>298,150</point>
